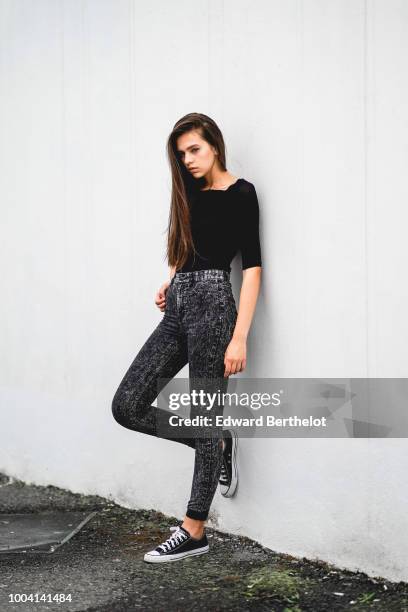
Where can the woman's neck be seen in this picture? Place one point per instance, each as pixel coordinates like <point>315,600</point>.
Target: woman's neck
<point>220,181</point>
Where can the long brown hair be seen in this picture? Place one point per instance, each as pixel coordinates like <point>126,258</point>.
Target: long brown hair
<point>185,186</point>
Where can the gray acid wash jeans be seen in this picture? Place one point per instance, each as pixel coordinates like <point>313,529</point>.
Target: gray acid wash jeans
<point>196,328</point>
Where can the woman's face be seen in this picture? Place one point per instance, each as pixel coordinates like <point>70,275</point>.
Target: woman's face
<point>196,153</point>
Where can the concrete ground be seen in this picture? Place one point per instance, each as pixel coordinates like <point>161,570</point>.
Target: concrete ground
<point>102,567</point>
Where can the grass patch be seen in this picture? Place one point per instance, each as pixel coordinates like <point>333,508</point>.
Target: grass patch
<point>365,598</point>
<point>267,581</point>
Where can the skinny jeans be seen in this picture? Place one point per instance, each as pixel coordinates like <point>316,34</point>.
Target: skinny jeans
<point>196,328</point>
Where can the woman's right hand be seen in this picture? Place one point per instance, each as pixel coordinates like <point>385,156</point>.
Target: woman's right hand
<point>160,299</point>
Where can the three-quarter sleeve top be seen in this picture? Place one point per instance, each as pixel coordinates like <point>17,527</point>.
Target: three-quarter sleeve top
<point>223,223</point>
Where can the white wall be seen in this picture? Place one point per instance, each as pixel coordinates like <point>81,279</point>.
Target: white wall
<point>311,98</point>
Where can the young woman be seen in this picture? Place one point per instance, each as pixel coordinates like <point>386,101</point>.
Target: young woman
<point>213,215</point>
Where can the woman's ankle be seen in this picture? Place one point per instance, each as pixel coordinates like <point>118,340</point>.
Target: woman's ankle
<point>194,527</point>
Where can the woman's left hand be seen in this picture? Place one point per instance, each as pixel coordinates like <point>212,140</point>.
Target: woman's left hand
<point>235,357</point>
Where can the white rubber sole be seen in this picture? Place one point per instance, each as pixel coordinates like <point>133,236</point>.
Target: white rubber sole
<point>175,557</point>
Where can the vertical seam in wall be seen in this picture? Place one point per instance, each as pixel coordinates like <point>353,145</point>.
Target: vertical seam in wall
<point>222,92</point>
<point>86,138</point>
<point>64,189</point>
<point>208,54</point>
<point>301,175</point>
<point>365,111</point>
<point>366,233</point>
<point>132,143</point>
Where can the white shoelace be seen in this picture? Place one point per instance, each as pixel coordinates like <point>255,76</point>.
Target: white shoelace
<point>176,538</point>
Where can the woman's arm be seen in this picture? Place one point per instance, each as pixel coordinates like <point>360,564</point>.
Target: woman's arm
<point>235,355</point>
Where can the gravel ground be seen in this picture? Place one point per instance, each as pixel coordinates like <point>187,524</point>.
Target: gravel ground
<point>102,567</point>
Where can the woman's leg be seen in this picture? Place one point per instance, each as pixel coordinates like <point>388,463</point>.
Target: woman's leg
<point>162,356</point>
<point>208,315</point>
<point>207,469</point>
<point>209,333</point>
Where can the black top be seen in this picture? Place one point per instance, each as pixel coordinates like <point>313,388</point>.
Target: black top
<point>224,222</point>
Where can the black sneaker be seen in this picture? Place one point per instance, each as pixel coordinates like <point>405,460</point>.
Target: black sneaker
<point>228,480</point>
<point>178,546</point>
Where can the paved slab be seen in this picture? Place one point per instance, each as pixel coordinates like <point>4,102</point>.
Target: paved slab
<point>39,532</point>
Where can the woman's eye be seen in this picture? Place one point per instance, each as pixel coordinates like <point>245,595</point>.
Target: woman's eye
<point>181,155</point>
